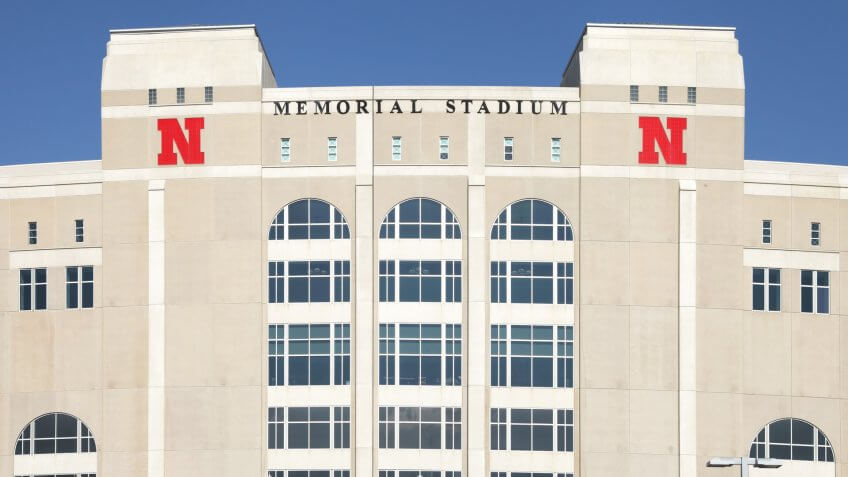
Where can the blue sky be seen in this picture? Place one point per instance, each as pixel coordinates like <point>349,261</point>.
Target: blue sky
<point>795,53</point>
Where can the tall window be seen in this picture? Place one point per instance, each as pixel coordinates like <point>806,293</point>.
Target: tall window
<point>766,231</point>
<point>332,149</point>
<point>443,147</point>
<point>309,219</point>
<point>207,94</point>
<point>791,439</point>
<point>420,218</point>
<point>79,287</point>
<point>414,354</point>
<point>418,427</point>
<point>33,289</point>
<point>508,145</point>
<point>815,233</point>
<point>556,149</point>
<point>532,282</point>
<point>663,94</point>
<point>396,148</point>
<point>315,427</point>
<point>32,233</point>
<point>532,429</point>
<point>55,433</point>
<point>79,231</point>
<point>691,95</point>
<point>537,356</point>
<point>313,281</point>
<point>532,219</point>
<point>815,291</point>
<point>634,93</point>
<point>315,356</point>
<point>766,289</point>
<point>285,149</point>
<point>180,95</point>
<point>151,96</point>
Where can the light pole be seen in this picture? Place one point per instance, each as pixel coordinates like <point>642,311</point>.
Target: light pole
<point>744,462</point>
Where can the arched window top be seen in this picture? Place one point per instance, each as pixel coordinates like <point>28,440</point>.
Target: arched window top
<point>309,219</point>
<point>55,433</point>
<point>420,218</point>
<point>792,439</point>
<point>532,219</point>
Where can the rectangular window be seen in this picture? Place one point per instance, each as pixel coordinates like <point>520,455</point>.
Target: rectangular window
<point>307,473</point>
<point>332,149</point>
<point>453,428</point>
<point>79,231</point>
<point>309,281</point>
<point>396,148</point>
<point>387,424</point>
<point>419,428</point>
<point>691,95</point>
<point>766,231</point>
<point>309,427</point>
<point>420,281</point>
<point>766,289</point>
<point>815,291</point>
<point>527,474</point>
<point>815,233</point>
<point>538,356</point>
<point>414,356</point>
<point>556,149</point>
<point>79,287</point>
<point>532,282</point>
<point>151,96</point>
<point>663,94</point>
<point>443,148</point>
<point>634,93</point>
<point>33,289</point>
<point>180,95</point>
<point>532,429</point>
<point>497,431</point>
<point>32,233</point>
<point>508,145</point>
<point>310,360</point>
<point>285,149</point>
<point>207,94</point>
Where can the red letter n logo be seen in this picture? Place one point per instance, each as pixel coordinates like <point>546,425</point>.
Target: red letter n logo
<point>654,133</point>
<point>172,133</point>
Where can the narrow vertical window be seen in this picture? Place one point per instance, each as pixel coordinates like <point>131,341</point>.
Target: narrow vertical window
<point>207,94</point>
<point>32,233</point>
<point>556,149</point>
<point>663,94</point>
<point>691,95</point>
<point>285,149</point>
<point>443,147</point>
<point>180,95</point>
<point>396,148</point>
<point>815,233</point>
<point>766,231</point>
<point>33,289</point>
<point>815,291</point>
<point>151,96</point>
<point>508,144</point>
<point>79,287</point>
<point>79,231</point>
<point>332,149</point>
<point>634,93</point>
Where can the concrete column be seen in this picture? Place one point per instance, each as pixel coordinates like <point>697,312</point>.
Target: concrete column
<point>156,328</point>
<point>686,331</point>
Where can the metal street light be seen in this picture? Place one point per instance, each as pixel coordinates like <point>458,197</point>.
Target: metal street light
<point>744,462</point>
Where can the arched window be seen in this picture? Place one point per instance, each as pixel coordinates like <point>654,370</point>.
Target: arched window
<point>56,433</point>
<point>309,219</point>
<point>532,219</point>
<point>420,218</point>
<point>792,439</point>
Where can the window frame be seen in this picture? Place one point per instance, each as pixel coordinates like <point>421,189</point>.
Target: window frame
<point>283,228</point>
<point>332,149</point>
<point>394,421</point>
<point>33,289</point>
<point>152,97</point>
<point>395,276</point>
<point>28,440</point>
<point>556,149</point>
<point>79,230</point>
<point>762,444</point>
<point>506,223</point>
<point>337,277</point>
<point>509,148</point>
<point>815,234</point>
<point>181,98</point>
<point>397,148</point>
<point>662,95</point>
<point>281,429</point>
<point>767,231</point>
<point>503,280</point>
<point>504,428</point>
<point>285,149</point>
<point>79,290</point>
<point>815,291</point>
<point>444,148</point>
<point>692,95</point>
<point>32,233</point>
<point>396,224</point>
<point>763,285</point>
<point>281,354</point>
<point>634,93</point>
<point>208,94</point>
<point>502,355</point>
<point>395,348</point>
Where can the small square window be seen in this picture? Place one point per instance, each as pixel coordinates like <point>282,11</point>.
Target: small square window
<point>663,94</point>
<point>444,147</point>
<point>32,233</point>
<point>285,149</point>
<point>766,231</point>
<point>815,233</point>
<point>634,93</point>
<point>396,148</point>
<point>332,149</point>
<point>79,231</point>
<point>508,148</point>
<point>556,149</point>
<point>151,96</point>
<point>207,94</point>
<point>691,95</point>
<point>180,95</point>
